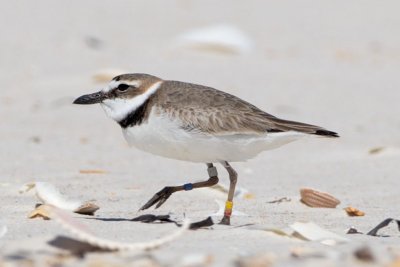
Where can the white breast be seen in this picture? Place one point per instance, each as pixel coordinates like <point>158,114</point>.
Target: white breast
<point>164,137</point>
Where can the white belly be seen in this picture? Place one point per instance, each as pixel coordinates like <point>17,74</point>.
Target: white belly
<point>163,137</point>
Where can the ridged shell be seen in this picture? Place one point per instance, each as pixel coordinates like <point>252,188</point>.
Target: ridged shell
<point>317,199</point>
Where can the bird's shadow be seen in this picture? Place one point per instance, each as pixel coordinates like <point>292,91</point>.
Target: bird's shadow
<point>109,219</point>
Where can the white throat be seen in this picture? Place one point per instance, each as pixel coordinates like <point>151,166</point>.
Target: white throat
<point>118,108</point>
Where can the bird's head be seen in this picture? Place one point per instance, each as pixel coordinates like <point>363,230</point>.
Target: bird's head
<point>124,94</point>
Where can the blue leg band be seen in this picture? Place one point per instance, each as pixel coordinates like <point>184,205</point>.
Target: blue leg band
<point>188,187</point>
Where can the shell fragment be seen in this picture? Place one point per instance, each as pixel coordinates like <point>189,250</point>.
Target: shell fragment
<point>312,232</point>
<point>354,212</point>
<point>49,194</point>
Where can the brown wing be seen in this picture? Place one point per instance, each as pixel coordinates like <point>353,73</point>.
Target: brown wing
<point>208,110</point>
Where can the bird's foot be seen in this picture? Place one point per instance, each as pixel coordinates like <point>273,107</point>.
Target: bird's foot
<point>159,198</point>
<point>226,220</point>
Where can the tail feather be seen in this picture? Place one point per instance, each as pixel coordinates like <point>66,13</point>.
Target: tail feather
<point>285,125</point>
<point>326,133</point>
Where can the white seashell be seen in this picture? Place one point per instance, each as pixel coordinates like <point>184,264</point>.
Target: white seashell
<point>83,234</point>
<point>312,232</point>
<point>49,194</point>
<point>218,38</point>
<point>305,231</point>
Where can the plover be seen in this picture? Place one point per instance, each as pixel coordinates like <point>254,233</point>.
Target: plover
<point>194,123</point>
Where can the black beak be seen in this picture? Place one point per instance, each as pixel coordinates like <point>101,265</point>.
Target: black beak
<point>90,98</point>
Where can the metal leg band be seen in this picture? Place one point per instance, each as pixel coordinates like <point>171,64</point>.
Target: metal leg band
<point>212,172</point>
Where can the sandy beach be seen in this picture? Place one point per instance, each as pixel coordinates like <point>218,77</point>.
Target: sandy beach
<point>333,64</point>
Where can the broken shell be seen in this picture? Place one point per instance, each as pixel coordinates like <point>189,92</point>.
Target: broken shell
<point>87,209</point>
<point>49,194</point>
<point>312,232</point>
<point>40,212</point>
<point>317,199</point>
<point>354,212</point>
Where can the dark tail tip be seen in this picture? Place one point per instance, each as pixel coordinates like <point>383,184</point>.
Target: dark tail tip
<point>326,133</point>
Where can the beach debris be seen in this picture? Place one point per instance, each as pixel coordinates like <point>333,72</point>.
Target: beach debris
<point>49,194</point>
<point>150,218</point>
<point>354,212</point>
<point>196,260</point>
<point>84,234</point>
<point>221,210</point>
<point>259,260</point>
<point>374,231</point>
<point>240,192</point>
<point>306,231</point>
<point>304,253</point>
<point>279,200</point>
<point>273,229</point>
<point>92,171</point>
<point>225,39</point>
<point>93,42</point>
<point>386,222</point>
<point>35,139</point>
<point>353,230</point>
<point>376,150</point>
<point>364,254</point>
<point>106,75</point>
<point>201,224</point>
<point>40,212</point>
<point>312,232</point>
<point>317,199</point>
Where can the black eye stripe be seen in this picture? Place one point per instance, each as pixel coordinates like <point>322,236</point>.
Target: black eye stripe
<point>122,87</point>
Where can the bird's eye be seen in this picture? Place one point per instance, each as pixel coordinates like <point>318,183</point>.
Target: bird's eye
<point>122,87</point>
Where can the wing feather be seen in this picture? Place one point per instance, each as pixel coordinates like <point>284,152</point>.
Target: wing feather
<point>210,111</point>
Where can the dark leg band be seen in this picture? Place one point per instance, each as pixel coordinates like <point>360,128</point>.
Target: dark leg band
<point>188,186</point>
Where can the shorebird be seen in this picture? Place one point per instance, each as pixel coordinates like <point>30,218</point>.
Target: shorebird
<point>194,123</point>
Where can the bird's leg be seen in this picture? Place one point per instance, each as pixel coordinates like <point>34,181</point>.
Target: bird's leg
<point>160,197</point>
<point>232,184</point>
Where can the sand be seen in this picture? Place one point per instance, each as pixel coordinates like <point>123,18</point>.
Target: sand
<point>333,64</point>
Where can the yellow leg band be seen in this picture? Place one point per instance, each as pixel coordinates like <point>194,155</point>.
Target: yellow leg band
<point>229,205</point>
<point>228,208</point>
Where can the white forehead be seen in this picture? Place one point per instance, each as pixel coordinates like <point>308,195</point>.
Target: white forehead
<point>114,84</point>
